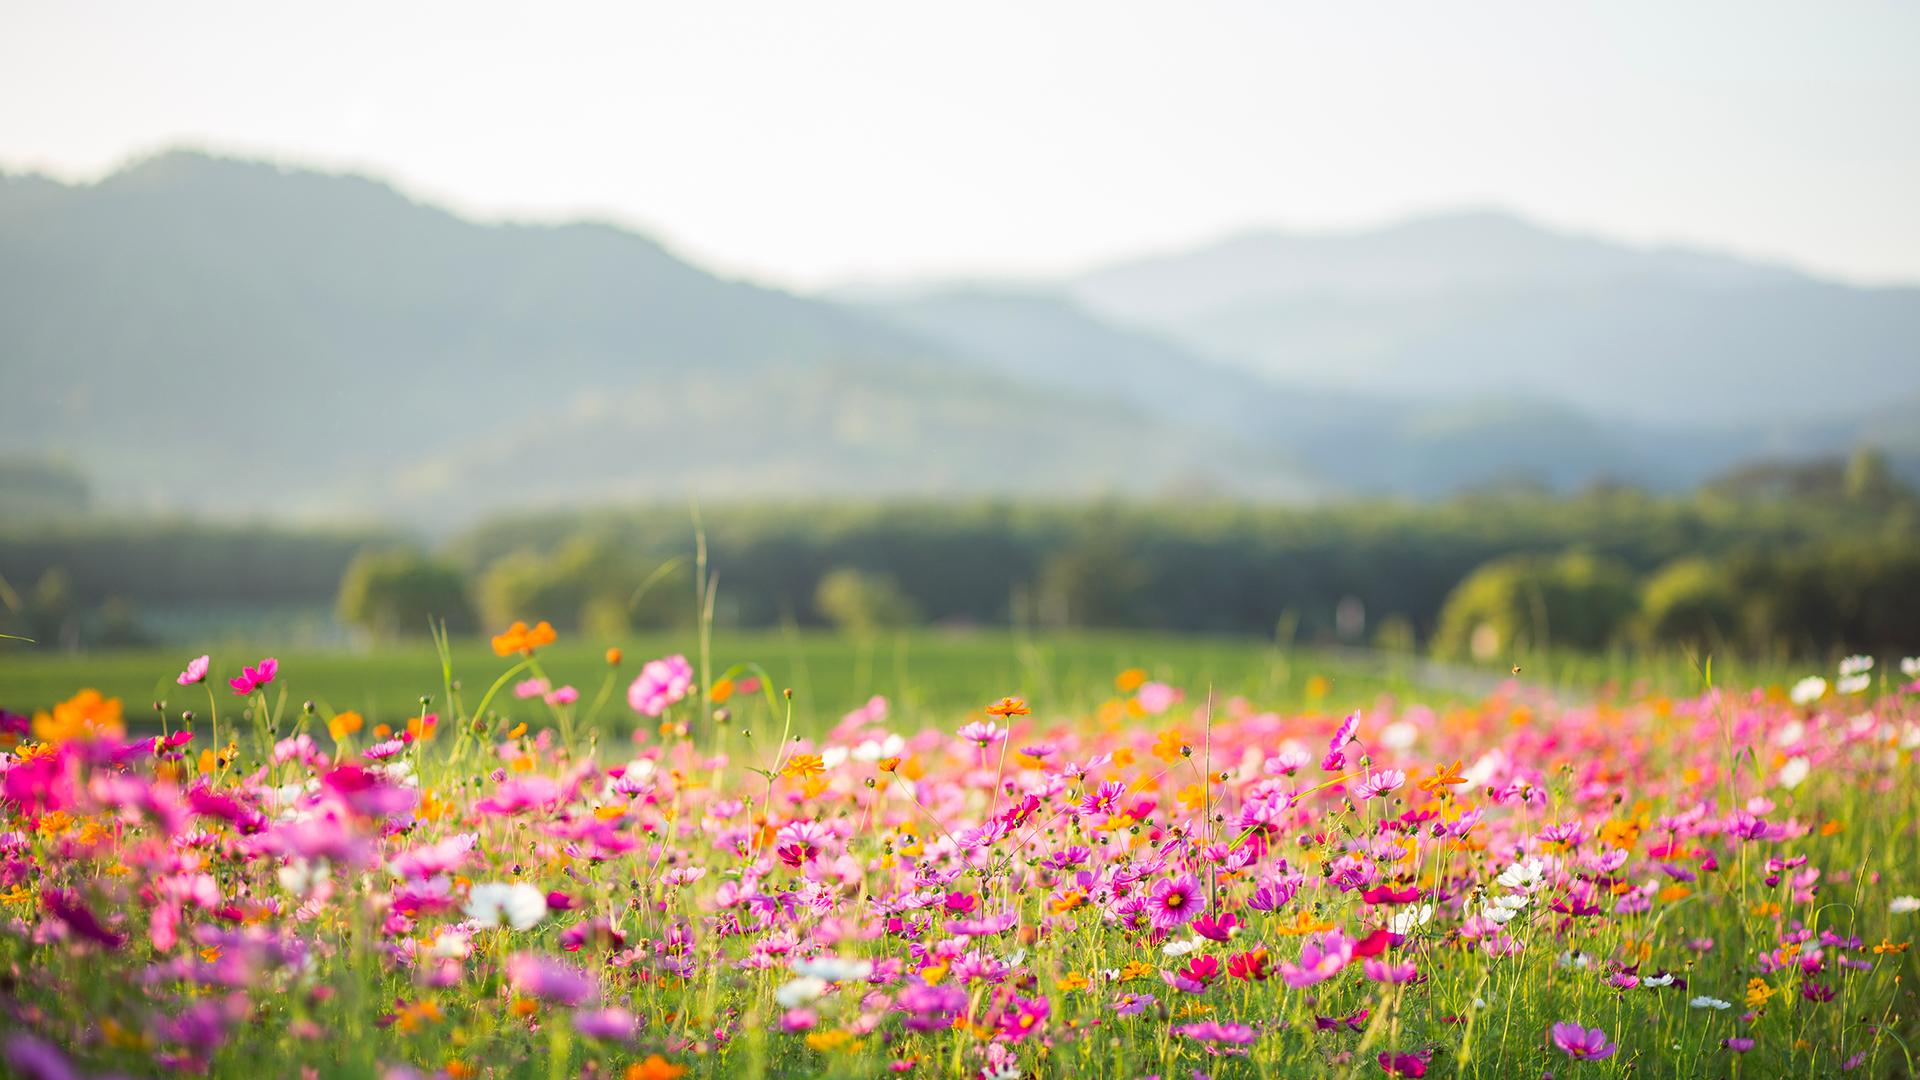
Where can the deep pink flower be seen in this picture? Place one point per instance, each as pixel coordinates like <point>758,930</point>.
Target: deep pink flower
<point>1322,956</point>
<point>254,678</point>
<point>1403,1064</point>
<point>1221,929</point>
<point>1174,901</point>
<point>196,671</point>
<point>69,908</point>
<point>660,684</point>
<point>1583,1044</point>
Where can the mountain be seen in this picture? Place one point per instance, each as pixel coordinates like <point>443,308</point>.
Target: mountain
<point>1486,305</point>
<point>237,338</point>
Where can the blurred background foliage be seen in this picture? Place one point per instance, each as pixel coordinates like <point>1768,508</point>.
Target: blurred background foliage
<point>1772,560</point>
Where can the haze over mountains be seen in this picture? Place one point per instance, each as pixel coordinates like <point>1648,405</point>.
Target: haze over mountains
<point>235,338</point>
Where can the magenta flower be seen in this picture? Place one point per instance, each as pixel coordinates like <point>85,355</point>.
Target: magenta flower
<point>660,684</point>
<point>1738,1046</point>
<point>37,1060</point>
<point>931,1008</point>
<point>1344,733</point>
<point>615,1023</point>
<point>514,796</point>
<point>1221,929</point>
<point>534,975</point>
<point>196,671</point>
<point>1174,901</point>
<point>1583,1044</point>
<point>1322,956</point>
<point>531,688</point>
<point>1403,1064</point>
<point>566,695</point>
<point>253,678</point>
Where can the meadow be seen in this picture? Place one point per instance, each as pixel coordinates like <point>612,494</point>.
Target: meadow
<point>985,855</point>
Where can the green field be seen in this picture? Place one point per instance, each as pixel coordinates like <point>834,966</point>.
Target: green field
<point>929,677</point>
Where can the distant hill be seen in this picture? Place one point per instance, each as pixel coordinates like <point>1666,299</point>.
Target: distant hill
<point>233,338</point>
<point>1483,305</point>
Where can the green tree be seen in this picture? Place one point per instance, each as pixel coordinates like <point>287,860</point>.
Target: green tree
<point>858,602</point>
<point>394,592</point>
<point>1523,602</point>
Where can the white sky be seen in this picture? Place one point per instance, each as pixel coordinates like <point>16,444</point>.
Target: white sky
<point>809,142</point>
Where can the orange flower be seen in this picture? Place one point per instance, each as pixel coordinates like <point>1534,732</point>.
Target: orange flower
<point>1303,923</point>
<point>1130,680</point>
<point>888,764</point>
<point>1193,796</point>
<point>613,657</point>
<point>85,715</point>
<point>1443,776</point>
<point>1123,757</point>
<point>1072,899</point>
<point>1009,707</point>
<point>721,691</point>
<point>519,639</point>
<point>1135,970</point>
<point>1075,981</point>
<point>1167,747</point>
<point>344,724</point>
<point>1887,946</point>
<point>804,766</point>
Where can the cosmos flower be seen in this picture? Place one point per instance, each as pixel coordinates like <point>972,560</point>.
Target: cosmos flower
<point>660,683</point>
<point>1174,901</point>
<point>253,678</point>
<point>196,671</point>
<point>519,905</point>
<point>1583,1044</point>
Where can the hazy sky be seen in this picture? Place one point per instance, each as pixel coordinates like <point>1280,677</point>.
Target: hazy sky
<point>810,142</point>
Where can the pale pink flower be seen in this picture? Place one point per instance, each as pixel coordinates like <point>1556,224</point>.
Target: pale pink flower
<point>660,684</point>
<point>530,688</point>
<point>566,695</point>
<point>196,671</point>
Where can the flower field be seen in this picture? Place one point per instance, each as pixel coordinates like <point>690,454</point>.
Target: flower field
<point>1722,884</point>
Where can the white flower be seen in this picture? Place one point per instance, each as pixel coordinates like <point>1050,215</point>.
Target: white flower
<point>1856,665</point>
<point>1522,874</point>
<point>1572,958</point>
<point>1903,904</point>
<point>1399,735</point>
<point>300,877</point>
<point>1910,667</point>
<point>833,968</point>
<point>1792,733</point>
<point>873,750</point>
<point>1404,922</point>
<point>797,992</point>
<point>1501,909</point>
<point>521,905</point>
<point>1910,737</point>
<point>1794,772</point>
<point>1705,1002</point>
<point>1178,948</point>
<point>1853,684</point>
<point>833,756</point>
<point>1657,980</point>
<point>1808,690</point>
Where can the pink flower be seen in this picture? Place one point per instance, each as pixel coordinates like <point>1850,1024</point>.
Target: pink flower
<point>1385,971</point>
<point>615,1023</point>
<point>660,684</point>
<point>254,678</point>
<point>566,695</point>
<point>1157,697</point>
<point>424,862</point>
<point>1213,1031</point>
<point>1380,784</point>
<point>514,796</point>
<point>1403,1064</point>
<point>196,671</point>
<point>981,734</point>
<point>530,688</point>
<point>1322,957</point>
<point>1174,901</point>
<point>533,975</point>
<point>1583,1044</point>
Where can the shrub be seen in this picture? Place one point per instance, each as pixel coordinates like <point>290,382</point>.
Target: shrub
<point>394,592</point>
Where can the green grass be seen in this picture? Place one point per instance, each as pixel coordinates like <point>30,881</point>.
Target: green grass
<point>929,677</point>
